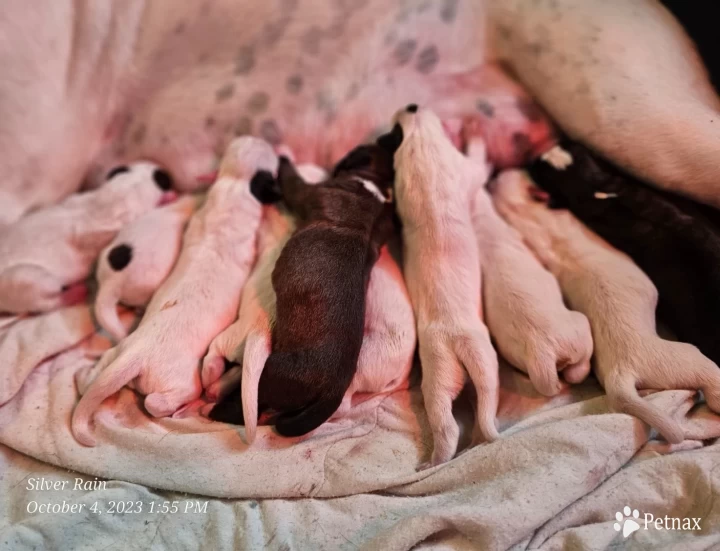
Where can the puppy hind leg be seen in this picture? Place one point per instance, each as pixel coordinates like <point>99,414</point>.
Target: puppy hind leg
<point>164,404</point>
<point>442,381</point>
<point>226,384</point>
<point>623,397</point>
<point>477,354</point>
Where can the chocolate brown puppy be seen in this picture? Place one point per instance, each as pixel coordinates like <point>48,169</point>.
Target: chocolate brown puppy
<point>320,280</point>
<point>673,240</point>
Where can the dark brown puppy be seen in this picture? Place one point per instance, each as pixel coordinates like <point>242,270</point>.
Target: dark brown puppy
<point>320,280</point>
<point>673,240</point>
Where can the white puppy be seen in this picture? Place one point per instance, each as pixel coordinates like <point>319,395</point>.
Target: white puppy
<point>389,337</point>
<point>257,305</point>
<point>618,299</point>
<point>434,187</point>
<point>138,260</point>
<point>197,301</point>
<point>45,253</point>
<point>524,308</point>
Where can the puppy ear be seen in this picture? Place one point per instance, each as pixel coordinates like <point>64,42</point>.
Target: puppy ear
<point>357,159</point>
<point>265,188</point>
<point>392,140</point>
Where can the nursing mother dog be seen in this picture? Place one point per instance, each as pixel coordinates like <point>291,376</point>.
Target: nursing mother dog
<point>96,84</point>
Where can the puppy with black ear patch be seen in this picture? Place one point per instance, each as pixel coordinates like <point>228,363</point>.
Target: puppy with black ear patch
<point>435,188</point>
<point>673,240</point>
<point>138,260</point>
<point>45,256</point>
<point>320,281</point>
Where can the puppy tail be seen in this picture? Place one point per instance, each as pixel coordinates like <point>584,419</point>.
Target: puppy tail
<point>624,397</point>
<point>309,418</point>
<point>111,380</point>
<point>106,311</point>
<point>257,351</point>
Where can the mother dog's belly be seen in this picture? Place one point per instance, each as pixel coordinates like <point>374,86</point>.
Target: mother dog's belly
<point>319,76</point>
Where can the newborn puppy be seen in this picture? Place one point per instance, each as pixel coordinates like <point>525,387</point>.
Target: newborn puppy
<point>668,237</point>
<point>45,253</point>
<point>320,281</point>
<point>198,300</point>
<point>524,308</point>
<point>435,187</point>
<point>138,260</point>
<point>257,304</point>
<point>618,299</point>
<point>386,353</point>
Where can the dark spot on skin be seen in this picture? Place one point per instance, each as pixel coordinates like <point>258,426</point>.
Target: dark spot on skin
<point>485,108</point>
<point>258,102</point>
<point>122,169</point>
<point>179,28</point>
<point>412,108</point>
<point>310,41</point>
<point>245,60</point>
<point>404,51</point>
<point>209,122</point>
<point>253,504</point>
<point>225,92</point>
<point>390,38</point>
<point>530,110</point>
<point>294,84</point>
<point>273,32</point>
<point>352,92</point>
<point>336,30</point>
<point>536,48</point>
<point>119,257</point>
<point>522,145</point>
<point>427,59</point>
<point>243,126</point>
<point>270,132</point>
<point>163,179</point>
<point>449,10</point>
<point>139,135</point>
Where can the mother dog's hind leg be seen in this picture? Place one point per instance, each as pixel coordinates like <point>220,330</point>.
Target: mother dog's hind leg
<point>623,77</point>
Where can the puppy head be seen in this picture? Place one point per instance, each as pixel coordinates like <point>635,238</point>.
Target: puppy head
<point>149,182</point>
<point>420,125</point>
<point>247,155</point>
<point>373,162</point>
<point>587,183</point>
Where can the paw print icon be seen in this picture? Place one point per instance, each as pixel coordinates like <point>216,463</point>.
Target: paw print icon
<point>627,521</point>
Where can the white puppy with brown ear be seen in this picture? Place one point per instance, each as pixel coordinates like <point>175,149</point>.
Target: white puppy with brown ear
<point>44,254</point>
<point>138,260</point>
<point>199,299</point>
<point>524,308</point>
<point>434,187</point>
<point>618,299</point>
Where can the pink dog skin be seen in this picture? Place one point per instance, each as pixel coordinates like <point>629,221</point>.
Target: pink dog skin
<point>138,260</point>
<point>44,255</point>
<point>198,300</point>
